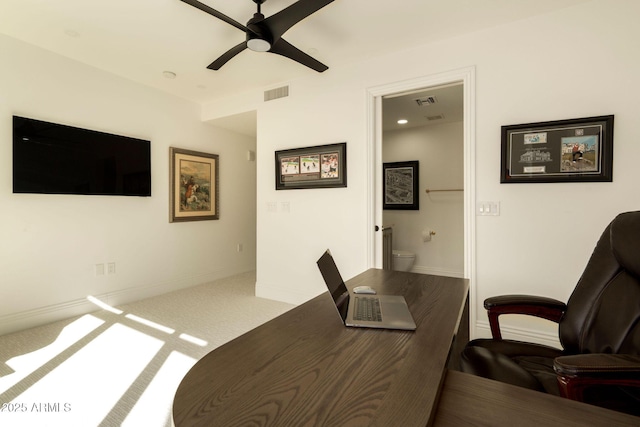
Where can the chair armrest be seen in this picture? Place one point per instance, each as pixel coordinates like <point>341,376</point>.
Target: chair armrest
<point>547,308</point>
<point>578,372</point>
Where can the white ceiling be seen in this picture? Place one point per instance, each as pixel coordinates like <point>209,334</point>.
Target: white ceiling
<point>140,39</point>
<point>445,106</point>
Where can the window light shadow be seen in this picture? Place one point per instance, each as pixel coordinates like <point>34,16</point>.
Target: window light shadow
<point>27,363</point>
<point>131,360</point>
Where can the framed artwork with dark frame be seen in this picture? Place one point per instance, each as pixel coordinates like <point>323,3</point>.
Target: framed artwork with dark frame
<point>575,150</point>
<point>194,186</point>
<point>400,185</point>
<point>321,166</point>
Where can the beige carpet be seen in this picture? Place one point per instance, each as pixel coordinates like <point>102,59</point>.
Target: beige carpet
<point>121,366</point>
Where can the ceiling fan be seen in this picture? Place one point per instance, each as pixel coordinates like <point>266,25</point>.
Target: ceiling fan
<point>265,34</point>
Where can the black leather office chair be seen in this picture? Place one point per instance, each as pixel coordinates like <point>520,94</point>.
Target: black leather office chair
<point>599,329</point>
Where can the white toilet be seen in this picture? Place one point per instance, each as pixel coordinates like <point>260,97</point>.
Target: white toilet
<point>403,260</point>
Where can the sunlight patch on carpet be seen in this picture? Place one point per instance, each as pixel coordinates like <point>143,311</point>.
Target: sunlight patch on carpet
<point>89,383</point>
<point>154,406</point>
<point>25,364</point>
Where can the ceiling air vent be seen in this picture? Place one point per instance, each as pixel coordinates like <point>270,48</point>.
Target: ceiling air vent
<point>427,100</point>
<point>279,92</point>
<point>438,117</point>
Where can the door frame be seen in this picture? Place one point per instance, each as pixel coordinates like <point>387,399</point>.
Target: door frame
<point>374,167</point>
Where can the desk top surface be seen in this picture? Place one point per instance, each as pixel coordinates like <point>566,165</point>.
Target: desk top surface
<point>467,400</point>
<point>306,368</point>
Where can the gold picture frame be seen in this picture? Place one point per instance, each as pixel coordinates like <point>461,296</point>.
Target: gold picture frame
<point>194,187</point>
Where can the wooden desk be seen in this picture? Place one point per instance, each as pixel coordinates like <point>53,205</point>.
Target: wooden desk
<point>467,400</point>
<point>306,368</point>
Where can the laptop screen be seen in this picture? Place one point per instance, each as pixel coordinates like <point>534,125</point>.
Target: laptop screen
<point>334,282</point>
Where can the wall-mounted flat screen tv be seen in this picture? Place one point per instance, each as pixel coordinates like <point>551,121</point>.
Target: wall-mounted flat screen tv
<point>51,158</point>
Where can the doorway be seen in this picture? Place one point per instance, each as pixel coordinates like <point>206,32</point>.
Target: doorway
<point>375,95</point>
<point>424,129</point>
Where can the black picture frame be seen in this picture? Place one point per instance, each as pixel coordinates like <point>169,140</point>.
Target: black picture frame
<point>400,185</point>
<point>574,150</point>
<point>320,166</point>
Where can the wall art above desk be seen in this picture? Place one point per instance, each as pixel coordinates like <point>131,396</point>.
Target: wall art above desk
<point>321,166</point>
<point>575,150</point>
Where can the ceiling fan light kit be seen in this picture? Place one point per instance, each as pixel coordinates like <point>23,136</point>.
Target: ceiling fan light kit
<point>265,34</point>
<point>258,37</point>
<point>258,45</point>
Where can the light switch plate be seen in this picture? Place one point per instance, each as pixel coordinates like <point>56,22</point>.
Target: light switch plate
<point>488,209</point>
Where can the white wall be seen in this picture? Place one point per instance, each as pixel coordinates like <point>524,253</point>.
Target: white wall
<point>49,244</point>
<point>439,149</point>
<point>578,62</point>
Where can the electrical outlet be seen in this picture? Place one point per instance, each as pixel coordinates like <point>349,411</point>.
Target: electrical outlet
<point>99,269</point>
<point>111,268</point>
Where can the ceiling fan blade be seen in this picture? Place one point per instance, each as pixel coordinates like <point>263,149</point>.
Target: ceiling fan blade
<point>211,11</point>
<point>215,65</point>
<point>288,17</point>
<point>284,48</point>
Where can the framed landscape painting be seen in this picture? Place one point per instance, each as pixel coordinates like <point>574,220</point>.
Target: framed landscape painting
<point>194,186</point>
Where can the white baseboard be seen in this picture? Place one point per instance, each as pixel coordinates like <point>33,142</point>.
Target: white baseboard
<point>52,313</point>
<point>39,316</point>
<point>519,334</point>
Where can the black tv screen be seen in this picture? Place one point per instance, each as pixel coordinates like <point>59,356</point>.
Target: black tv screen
<point>51,158</point>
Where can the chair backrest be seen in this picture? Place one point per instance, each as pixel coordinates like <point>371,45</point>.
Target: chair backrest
<point>603,312</point>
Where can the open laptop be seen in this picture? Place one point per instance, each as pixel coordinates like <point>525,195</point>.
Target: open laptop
<point>393,310</point>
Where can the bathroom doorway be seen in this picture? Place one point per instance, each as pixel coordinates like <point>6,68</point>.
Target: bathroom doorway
<point>374,222</point>
<point>425,128</point>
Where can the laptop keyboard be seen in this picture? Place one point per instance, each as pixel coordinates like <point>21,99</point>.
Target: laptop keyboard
<point>367,308</point>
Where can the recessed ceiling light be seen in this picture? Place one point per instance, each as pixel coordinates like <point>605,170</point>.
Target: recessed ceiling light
<point>169,74</point>
<point>403,121</point>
